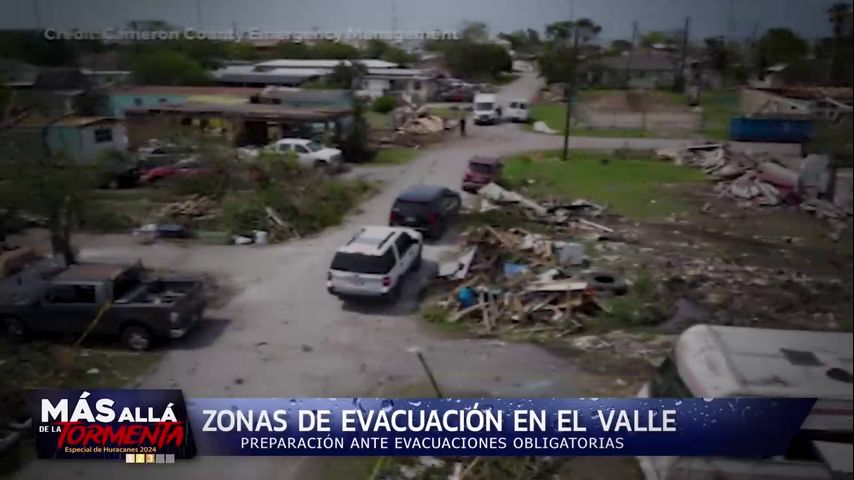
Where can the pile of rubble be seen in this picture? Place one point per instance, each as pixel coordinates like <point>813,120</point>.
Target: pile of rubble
<point>574,214</point>
<point>511,278</point>
<point>758,179</point>
<point>194,207</point>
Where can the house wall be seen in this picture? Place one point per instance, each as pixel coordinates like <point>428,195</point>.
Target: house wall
<point>421,90</point>
<point>376,87</point>
<point>119,102</point>
<point>79,143</point>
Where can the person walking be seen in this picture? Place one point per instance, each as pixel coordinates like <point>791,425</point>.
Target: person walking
<point>463,126</point>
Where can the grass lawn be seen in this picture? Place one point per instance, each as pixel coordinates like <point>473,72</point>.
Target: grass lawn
<point>719,106</point>
<point>636,186</point>
<point>554,115</point>
<point>445,112</point>
<point>394,156</point>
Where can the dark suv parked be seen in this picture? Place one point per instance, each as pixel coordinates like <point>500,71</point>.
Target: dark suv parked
<point>426,208</point>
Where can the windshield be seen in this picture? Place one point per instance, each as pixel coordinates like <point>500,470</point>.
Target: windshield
<point>480,168</point>
<point>367,264</point>
<point>314,146</point>
<point>484,106</point>
<point>411,209</point>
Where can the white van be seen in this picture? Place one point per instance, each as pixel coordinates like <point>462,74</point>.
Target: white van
<point>517,111</point>
<point>716,361</point>
<point>486,109</point>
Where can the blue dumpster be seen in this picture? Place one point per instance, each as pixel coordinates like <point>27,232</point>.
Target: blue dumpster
<point>783,130</point>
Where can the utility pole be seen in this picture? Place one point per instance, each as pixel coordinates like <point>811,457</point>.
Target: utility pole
<point>631,51</point>
<point>681,74</point>
<point>570,90</point>
<point>199,13</point>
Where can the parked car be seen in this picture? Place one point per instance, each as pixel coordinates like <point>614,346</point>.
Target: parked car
<point>120,174</point>
<point>481,171</point>
<point>309,153</point>
<point>374,263</point>
<point>184,168</point>
<point>163,152</point>
<point>426,208</point>
<point>457,94</point>
<point>713,361</point>
<point>127,302</point>
<point>517,111</point>
<point>486,109</point>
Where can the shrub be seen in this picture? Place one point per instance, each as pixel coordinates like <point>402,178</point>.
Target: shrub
<point>242,213</point>
<point>384,104</point>
<point>209,185</point>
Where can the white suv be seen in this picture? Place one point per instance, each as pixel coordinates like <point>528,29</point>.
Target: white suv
<point>374,263</point>
<point>309,153</point>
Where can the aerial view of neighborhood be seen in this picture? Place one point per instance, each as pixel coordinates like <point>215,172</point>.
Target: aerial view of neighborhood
<point>392,198</point>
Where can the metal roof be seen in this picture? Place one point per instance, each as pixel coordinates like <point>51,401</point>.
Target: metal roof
<point>323,63</point>
<point>265,110</point>
<point>185,90</point>
<point>720,361</point>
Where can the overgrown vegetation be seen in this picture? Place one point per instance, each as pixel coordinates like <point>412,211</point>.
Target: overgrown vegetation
<point>384,104</point>
<point>52,190</point>
<point>305,199</point>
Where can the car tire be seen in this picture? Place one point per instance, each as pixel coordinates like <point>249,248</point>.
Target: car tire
<point>606,282</point>
<point>321,165</point>
<point>14,329</point>
<point>137,338</point>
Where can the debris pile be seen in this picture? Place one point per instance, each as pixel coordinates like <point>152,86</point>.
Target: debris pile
<point>194,207</point>
<point>574,214</point>
<point>509,278</point>
<point>757,179</point>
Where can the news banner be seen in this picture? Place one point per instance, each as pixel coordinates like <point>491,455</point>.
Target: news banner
<point>160,426</point>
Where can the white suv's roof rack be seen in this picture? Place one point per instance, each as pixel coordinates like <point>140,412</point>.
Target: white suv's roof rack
<point>370,240</point>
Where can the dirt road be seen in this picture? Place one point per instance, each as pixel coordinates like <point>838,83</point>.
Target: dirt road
<point>283,335</point>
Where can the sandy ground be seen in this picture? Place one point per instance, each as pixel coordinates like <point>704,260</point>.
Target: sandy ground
<point>283,335</point>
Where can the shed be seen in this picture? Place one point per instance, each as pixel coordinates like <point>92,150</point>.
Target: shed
<point>83,138</point>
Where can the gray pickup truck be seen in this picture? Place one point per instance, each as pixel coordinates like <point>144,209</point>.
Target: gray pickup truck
<point>133,304</point>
